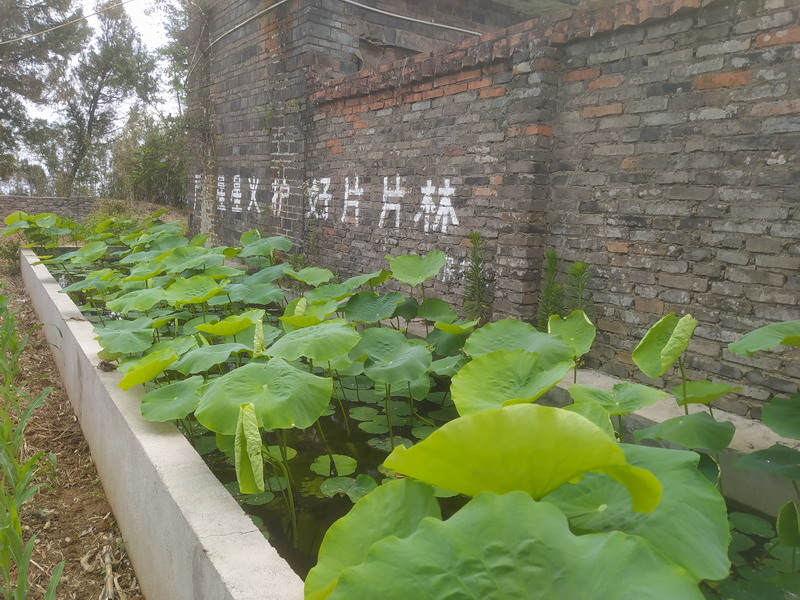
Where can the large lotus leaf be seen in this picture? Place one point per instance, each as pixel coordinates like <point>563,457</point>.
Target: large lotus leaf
<point>413,269</point>
<point>355,488</point>
<point>546,446</point>
<point>233,324</point>
<point>435,309</point>
<point>177,260</point>
<point>331,291</point>
<point>313,276</point>
<point>247,452</point>
<point>261,294</point>
<point>690,526</point>
<point>511,334</point>
<point>391,358</point>
<point>172,401</point>
<point>266,246</point>
<point>138,300</point>
<point>663,344</point>
<point>510,547</point>
<point>202,359</point>
<point>788,525</point>
<point>394,509</point>
<point>767,337</point>
<point>265,275</point>
<point>594,412</point>
<point>501,378</point>
<point>144,271</point>
<point>698,430</point>
<point>373,279</point>
<point>782,415</point>
<point>192,290</point>
<point>456,327</point>
<point>700,392</point>
<point>776,459</point>
<point>575,329</point>
<point>284,397</point>
<point>126,337</point>
<point>623,398</point>
<point>89,253</point>
<point>449,365</point>
<point>148,368</point>
<point>369,307</point>
<point>249,236</point>
<point>304,314</point>
<point>139,257</point>
<point>222,271</point>
<point>345,465</point>
<point>320,343</point>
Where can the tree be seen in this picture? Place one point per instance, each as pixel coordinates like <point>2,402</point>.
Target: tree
<point>114,68</point>
<point>30,66</point>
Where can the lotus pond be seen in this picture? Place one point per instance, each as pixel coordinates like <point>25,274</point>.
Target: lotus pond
<point>307,394</point>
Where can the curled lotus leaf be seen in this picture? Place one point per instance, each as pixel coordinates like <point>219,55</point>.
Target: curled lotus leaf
<point>233,324</point>
<point>767,338</point>
<point>391,358</point>
<point>313,276</point>
<point>413,269</point>
<point>575,329</point>
<point>512,334</point>
<point>663,344</point>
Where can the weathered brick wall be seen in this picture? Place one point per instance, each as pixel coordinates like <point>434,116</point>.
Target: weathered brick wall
<point>76,208</point>
<point>657,141</point>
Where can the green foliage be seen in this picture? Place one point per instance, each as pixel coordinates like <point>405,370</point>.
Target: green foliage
<point>477,302</point>
<point>551,296</point>
<point>560,299</point>
<point>663,344</point>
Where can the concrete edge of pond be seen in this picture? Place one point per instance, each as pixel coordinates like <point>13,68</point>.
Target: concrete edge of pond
<point>186,536</point>
<point>763,492</point>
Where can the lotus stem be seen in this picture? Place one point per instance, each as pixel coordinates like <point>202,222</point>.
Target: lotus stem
<point>683,384</point>
<point>389,414</point>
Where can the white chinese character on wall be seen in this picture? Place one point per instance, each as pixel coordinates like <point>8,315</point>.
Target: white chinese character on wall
<point>391,201</point>
<point>353,203</point>
<point>317,196</point>
<point>236,194</point>
<point>198,190</point>
<point>443,215</point>
<point>280,193</point>
<point>221,193</point>
<point>253,182</point>
<point>446,213</point>
<point>427,207</point>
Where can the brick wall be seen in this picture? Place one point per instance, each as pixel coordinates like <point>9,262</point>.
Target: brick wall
<point>657,141</point>
<point>75,208</point>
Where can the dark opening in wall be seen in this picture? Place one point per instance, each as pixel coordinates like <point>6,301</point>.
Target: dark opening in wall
<point>373,53</point>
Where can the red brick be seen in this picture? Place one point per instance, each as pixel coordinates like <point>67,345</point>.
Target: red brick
<point>629,163</point>
<point>485,192</point>
<point>493,92</point>
<point>456,88</point>
<point>481,83</point>
<point>768,109</point>
<point>545,130</point>
<point>453,151</point>
<point>582,74</point>
<point>512,131</point>
<point>432,94</point>
<point>602,111</point>
<point>360,125</point>
<point>605,82</point>
<point>782,36</point>
<point>496,180</point>
<point>618,247</point>
<point>723,80</point>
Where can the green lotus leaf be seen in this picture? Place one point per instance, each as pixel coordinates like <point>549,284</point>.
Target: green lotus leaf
<point>331,291</point>
<point>369,307</point>
<point>265,275</point>
<point>320,343</point>
<point>663,344</point>
<point>345,465</point>
<point>260,294</point>
<point>786,333</point>
<point>192,290</point>
<point>394,509</point>
<point>148,368</point>
<point>126,337</point>
<point>144,271</point>
<point>456,327</point>
<point>138,300</point>
<point>417,389</point>
<point>89,253</point>
<point>313,276</point>
<point>203,358</point>
<point>177,260</point>
<point>501,378</point>
<point>276,453</point>
<point>391,358</point>
<point>247,452</point>
<point>511,334</point>
<point>700,392</point>
<point>776,459</point>
<point>575,330</point>
<point>595,413</point>
<point>266,246</point>
<point>371,279</point>
<point>284,397</point>
<point>434,309</point>
<point>222,272</point>
<point>449,365</point>
<point>510,547</point>
<point>45,220</point>
<point>547,446</point>
<point>304,314</point>
<point>623,398</point>
<point>689,526</point>
<point>355,489</point>
<point>249,236</point>
<point>782,415</point>
<point>697,430</point>
<point>413,269</point>
<point>180,345</point>
<point>751,524</point>
<point>788,525</point>
<point>172,401</point>
<point>134,258</point>
<point>233,324</point>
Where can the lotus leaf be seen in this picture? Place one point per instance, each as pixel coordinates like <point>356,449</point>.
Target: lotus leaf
<point>180,345</point>
<point>345,465</point>
<point>501,378</point>
<point>595,413</point>
<point>434,309</point>
<point>776,459</point>
<point>144,271</point>
<point>203,358</point>
<point>309,314</point>
<point>313,276</point>
<point>663,344</point>
<point>511,334</point>
<point>782,415</point>
<point>266,275</point>
<point>321,343</point>
<point>177,260</point>
<point>89,253</point>
<point>393,509</point>
<point>510,547</point>
<point>623,398</point>
<point>233,324</point>
<point>222,272</point>
<point>788,525</point>
<point>456,327</point>
<point>266,246</point>
<point>547,446</point>
<point>697,430</point>
<point>249,236</point>
<point>408,309</point>
<point>192,290</point>
<point>247,452</point>
<point>700,392</point>
<point>413,269</point>
<point>172,401</point>
<point>138,300</point>
<point>391,358</point>
<point>331,291</point>
<point>767,337</point>
<point>126,337</point>
<point>355,489</point>
<point>148,368</point>
<point>284,397</point>
<point>449,365</point>
<point>689,526</point>
<point>576,330</point>
<point>369,307</point>
<point>371,279</point>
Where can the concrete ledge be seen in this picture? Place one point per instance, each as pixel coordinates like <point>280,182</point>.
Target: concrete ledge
<point>763,492</point>
<point>186,536</point>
